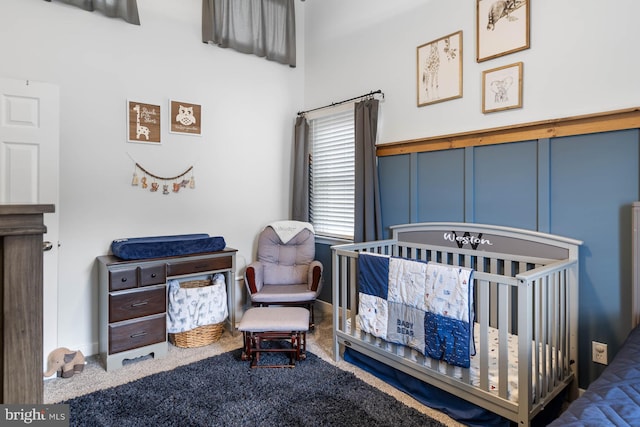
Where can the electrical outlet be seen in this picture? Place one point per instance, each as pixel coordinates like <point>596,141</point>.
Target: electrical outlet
<point>599,352</point>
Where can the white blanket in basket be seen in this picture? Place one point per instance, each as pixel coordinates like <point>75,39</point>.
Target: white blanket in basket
<point>193,307</point>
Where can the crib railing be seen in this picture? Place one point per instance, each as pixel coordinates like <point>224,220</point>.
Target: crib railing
<point>531,298</point>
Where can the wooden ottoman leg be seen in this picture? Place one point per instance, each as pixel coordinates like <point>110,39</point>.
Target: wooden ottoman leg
<point>303,352</point>
<point>246,353</point>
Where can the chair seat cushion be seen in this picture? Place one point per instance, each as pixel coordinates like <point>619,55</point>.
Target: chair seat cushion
<point>275,319</point>
<point>284,293</point>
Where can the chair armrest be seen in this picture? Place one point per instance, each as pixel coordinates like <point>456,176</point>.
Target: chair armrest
<point>314,276</point>
<point>253,277</point>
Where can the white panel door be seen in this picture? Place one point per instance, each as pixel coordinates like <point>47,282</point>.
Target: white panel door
<point>29,169</point>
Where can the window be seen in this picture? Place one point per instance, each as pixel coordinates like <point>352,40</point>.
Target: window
<point>332,173</point>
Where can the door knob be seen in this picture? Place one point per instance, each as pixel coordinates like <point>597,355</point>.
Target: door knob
<point>47,246</point>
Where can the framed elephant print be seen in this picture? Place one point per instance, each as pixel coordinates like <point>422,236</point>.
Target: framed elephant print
<point>502,88</point>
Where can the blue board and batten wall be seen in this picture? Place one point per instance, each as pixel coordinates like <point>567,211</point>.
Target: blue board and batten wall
<point>578,186</point>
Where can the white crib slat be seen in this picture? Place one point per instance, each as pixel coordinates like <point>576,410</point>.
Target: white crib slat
<point>509,325</point>
<point>493,302</point>
<point>564,331</point>
<point>544,349</point>
<point>551,327</point>
<point>353,296</point>
<point>484,334</point>
<point>503,347</point>
<point>343,294</point>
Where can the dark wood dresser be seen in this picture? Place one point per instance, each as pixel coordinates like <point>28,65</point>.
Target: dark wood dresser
<point>21,278</point>
<point>133,301</point>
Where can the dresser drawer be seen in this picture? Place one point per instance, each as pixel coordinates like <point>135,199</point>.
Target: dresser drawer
<point>139,333</point>
<point>123,279</point>
<point>142,303</point>
<point>199,265</point>
<point>153,275</point>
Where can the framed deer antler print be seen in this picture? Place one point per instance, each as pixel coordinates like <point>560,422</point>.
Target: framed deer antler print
<point>502,27</point>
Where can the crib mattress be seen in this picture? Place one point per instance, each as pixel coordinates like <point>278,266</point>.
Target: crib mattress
<point>474,369</point>
<point>163,246</point>
<point>613,398</point>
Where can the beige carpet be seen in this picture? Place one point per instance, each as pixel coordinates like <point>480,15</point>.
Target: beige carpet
<point>319,343</point>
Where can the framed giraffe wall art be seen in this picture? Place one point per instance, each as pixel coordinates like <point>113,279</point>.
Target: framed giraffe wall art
<point>439,64</point>
<point>502,27</point>
<point>143,122</point>
<point>502,88</point>
<point>185,118</point>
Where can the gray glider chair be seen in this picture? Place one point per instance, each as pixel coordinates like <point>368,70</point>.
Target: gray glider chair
<point>285,271</point>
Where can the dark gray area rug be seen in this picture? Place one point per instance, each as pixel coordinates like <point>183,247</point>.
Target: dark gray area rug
<point>224,391</point>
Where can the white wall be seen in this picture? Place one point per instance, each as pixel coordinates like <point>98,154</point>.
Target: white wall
<point>582,60</point>
<point>242,161</point>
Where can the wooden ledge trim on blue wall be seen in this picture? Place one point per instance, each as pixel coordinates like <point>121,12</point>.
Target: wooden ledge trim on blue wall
<point>577,125</point>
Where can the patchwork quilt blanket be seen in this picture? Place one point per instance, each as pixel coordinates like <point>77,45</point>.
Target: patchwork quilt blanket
<point>426,306</point>
<point>193,307</point>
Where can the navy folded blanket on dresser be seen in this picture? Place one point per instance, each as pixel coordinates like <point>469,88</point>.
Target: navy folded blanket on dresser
<point>163,246</point>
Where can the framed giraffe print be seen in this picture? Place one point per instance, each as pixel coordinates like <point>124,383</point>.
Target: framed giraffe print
<point>439,70</point>
<point>502,27</point>
<point>143,122</point>
<point>185,118</point>
<point>502,88</point>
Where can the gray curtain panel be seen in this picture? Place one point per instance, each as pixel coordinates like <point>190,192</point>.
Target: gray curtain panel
<point>301,152</point>
<point>368,217</point>
<point>125,9</point>
<point>265,28</point>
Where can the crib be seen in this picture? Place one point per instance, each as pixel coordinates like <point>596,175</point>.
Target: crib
<point>525,300</point>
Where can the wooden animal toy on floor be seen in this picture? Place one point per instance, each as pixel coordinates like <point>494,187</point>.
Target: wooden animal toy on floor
<point>64,362</point>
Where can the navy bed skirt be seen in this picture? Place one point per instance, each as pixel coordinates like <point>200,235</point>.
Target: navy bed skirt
<point>433,397</point>
<point>163,246</point>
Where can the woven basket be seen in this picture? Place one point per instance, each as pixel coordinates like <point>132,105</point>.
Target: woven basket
<point>202,335</point>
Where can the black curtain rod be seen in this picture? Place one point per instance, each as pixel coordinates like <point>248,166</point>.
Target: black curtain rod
<point>333,104</point>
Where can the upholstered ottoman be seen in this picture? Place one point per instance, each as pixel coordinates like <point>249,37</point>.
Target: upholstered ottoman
<point>260,324</point>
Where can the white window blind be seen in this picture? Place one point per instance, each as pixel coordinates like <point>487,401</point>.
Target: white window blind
<point>332,181</point>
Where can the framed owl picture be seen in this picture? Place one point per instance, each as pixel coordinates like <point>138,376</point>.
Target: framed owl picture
<point>185,118</point>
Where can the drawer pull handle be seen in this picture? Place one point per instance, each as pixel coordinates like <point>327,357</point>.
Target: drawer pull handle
<point>139,304</point>
<point>124,279</point>
<point>139,334</point>
<point>153,275</point>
